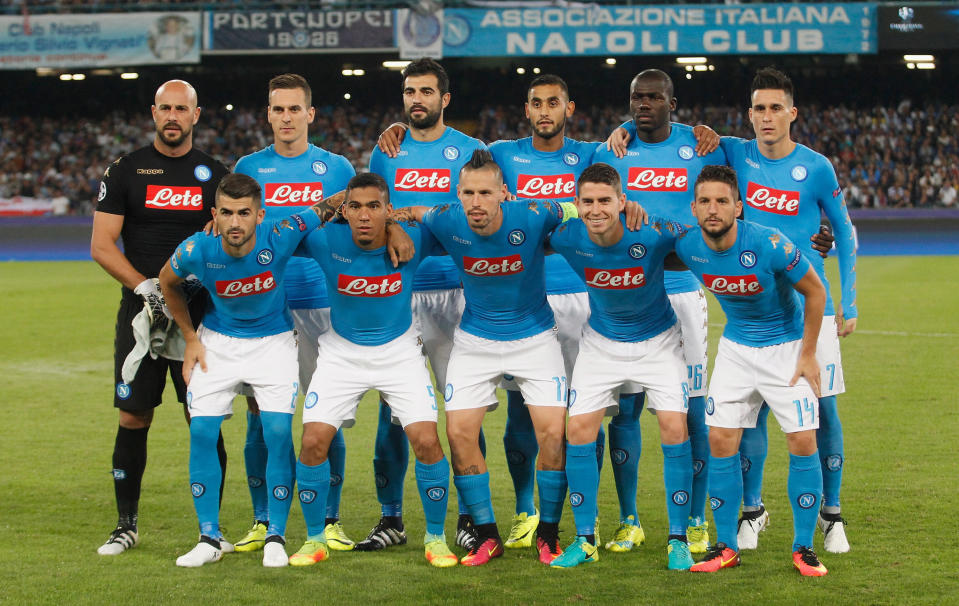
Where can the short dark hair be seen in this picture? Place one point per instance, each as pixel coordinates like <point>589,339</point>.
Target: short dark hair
<point>425,65</point>
<point>657,74</point>
<point>236,186</point>
<point>369,180</point>
<point>721,174</point>
<point>600,173</point>
<point>292,81</point>
<point>546,80</point>
<point>770,77</point>
<point>481,159</point>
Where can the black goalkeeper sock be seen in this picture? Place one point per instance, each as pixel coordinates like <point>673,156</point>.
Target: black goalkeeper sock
<point>129,461</point>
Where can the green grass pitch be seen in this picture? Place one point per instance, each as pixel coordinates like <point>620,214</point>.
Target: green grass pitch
<point>57,425</point>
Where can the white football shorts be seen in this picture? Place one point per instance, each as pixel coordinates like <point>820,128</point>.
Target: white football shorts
<point>831,381</point>
<point>436,314</point>
<point>690,309</point>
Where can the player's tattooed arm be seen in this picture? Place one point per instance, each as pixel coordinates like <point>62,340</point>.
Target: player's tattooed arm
<point>390,139</point>
<point>399,245</point>
<point>814,294</point>
<point>171,287</point>
<point>707,140</point>
<point>409,214</point>
<point>328,208</point>
<point>822,240</point>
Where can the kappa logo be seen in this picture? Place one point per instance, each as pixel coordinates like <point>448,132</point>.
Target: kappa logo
<point>637,251</point>
<point>335,479</point>
<point>451,152</point>
<point>710,406</point>
<point>715,503</point>
<point>680,497</point>
<point>311,399</point>
<point>571,159</point>
<point>380,480</point>
<point>515,457</point>
<point>281,493</point>
<point>798,173</point>
<point>575,499</point>
<point>123,391</point>
<point>202,172</point>
<point>752,163</point>
<point>254,482</point>
<point>307,496</point>
<point>685,152</point>
<point>119,474</point>
<point>619,456</point>
<point>437,493</point>
<point>834,462</point>
<point>197,489</point>
<point>747,259</point>
<point>806,500</point>
<point>745,463</point>
<point>517,237</point>
<point>319,167</point>
<point>698,467</point>
<point>264,256</point>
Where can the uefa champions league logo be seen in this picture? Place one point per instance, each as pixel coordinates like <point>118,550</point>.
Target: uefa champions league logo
<point>319,167</point>
<point>103,192</point>
<point>451,153</point>
<point>264,256</point>
<point>747,259</point>
<point>686,152</point>
<point>798,173</point>
<point>202,172</point>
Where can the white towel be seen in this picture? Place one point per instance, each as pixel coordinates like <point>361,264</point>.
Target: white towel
<point>168,344</point>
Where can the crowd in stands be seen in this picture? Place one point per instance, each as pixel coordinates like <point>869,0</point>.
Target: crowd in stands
<point>895,157</point>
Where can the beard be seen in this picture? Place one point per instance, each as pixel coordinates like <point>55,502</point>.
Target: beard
<point>556,129</point>
<point>718,233</point>
<point>427,121</point>
<point>173,140</point>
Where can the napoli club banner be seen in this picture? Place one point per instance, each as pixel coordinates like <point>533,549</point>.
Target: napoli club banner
<point>99,40</point>
<point>791,28</point>
<point>290,31</point>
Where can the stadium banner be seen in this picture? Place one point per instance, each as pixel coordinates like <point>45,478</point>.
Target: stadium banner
<point>919,27</point>
<point>688,29</point>
<point>99,40</point>
<point>291,31</point>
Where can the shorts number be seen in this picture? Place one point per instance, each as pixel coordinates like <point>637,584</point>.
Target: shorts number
<point>561,388</point>
<point>695,376</point>
<point>807,406</point>
<point>832,374</point>
<point>296,388</point>
<point>685,396</point>
<point>429,390</point>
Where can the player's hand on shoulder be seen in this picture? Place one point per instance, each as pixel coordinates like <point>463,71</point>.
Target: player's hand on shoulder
<point>208,228</point>
<point>822,241</point>
<point>390,139</point>
<point>617,141</point>
<point>707,140</point>
<point>636,216</point>
<point>399,245</point>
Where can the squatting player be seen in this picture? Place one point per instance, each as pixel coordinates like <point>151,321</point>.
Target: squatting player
<point>152,199</point>
<point>372,345</point>
<point>767,352</point>
<point>788,186</point>
<point>426,171</point>
<point>246,338</point>
<point>632,341</point>
<point>295,174</point>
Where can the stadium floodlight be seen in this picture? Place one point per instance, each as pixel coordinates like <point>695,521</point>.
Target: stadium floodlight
<point>66,77</point>
<point>520,70</point>
<point>919,58</point>
<point>359,72</point>
<point>611,61</point>
<point>347,72</point>
<point>689,76</point>
<point>925,66</point>
<point>347,96</point>
<point>79,76</point>
<point>229,107</point>
<point>691,60</point>
<point>700,68</point>
<point>536,70</point>
<point>46,71</point>
<point>910,66</point>
<point>395,64</point>
<point>129,75</point>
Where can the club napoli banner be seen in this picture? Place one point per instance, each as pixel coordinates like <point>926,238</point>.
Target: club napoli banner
<point>99,40</point>
<point>789,28</point>
<point>292,31</point>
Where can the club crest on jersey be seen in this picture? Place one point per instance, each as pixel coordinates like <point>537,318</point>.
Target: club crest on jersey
<point>575,499</point>
<point>436,493</point>
<point>319,167</point>
<point>517,237</point>
<point>264,256</point>
<point>451,152</point>
<point>197,489</point>
<point>685,152</point>
<point>680,497</point>
<point>752,163</point>
<point>103,192</point>
<point>311,399</point>
<point>806,500</point>
<point>747,259</point>
<point>307,496</point>
<point>281,493</point>
<point>571,159</point>
<point>710,406</point>
<point>123,391</point>
<point>637,251</point>
<point>798,173</point>
<point>202,172</point>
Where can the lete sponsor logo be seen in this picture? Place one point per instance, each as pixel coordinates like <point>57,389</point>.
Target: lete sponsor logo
<point>432,180</point>
<point>546,187</point>
<point>244,287</point>
<point>370,286</point>
<point>657,179</point>
<point>293,194</point>
<point>169,197</point>
<point>493,266</point>
<point>778,201</point>
<point>628,277</point>
<point>733,285</point>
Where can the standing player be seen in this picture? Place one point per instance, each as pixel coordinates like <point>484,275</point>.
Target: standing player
<point>373,345</point>
<point>767,352</point>
<point>507,328</point>
<point>789,187</point>
<point>294,175</point>
<point>246,338</point>
<point>425,171</point>
<point>632,341</point>
<point>152,199</point>
<point>659,164</point>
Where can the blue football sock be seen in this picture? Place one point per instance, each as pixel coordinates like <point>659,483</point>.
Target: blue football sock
<point>625,448</point>
<point>804,487</point>
<point>475,492</point>
<point>205,475</point>
<point>699,441</point>
<point>831,455</point>
<point>752,451</point>
<point>337,458</point>
<point>552,493</point>
<point>725,495</point>
<point>678,478</point>
<point>462,509</point>
<point>521,450</point>
<point>391,456</point>
<point>313,482</point>
<point>254,454</point>
<point>583,478</point>
<point>433,482</point>
<point>278,434</point>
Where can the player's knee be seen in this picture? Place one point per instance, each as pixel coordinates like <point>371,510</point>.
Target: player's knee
<point>802,443</point>
<point>136,419</point>
<point>673,431</point>
<point>580,431</point>
<point>723,442</point>
<point>314,446</point>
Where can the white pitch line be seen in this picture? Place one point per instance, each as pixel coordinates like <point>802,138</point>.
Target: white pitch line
<point>892,333</point>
